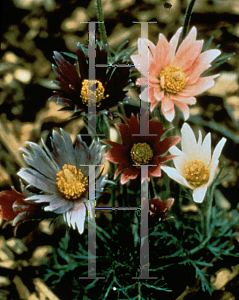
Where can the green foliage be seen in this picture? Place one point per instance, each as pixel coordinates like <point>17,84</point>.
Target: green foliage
<point>177,246</point>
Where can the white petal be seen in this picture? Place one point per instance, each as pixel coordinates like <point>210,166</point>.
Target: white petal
<point>180,161</point>
<point>76,217</point>
<point>188,142</point>
<point>174,174</point>
<point>206,150</point>
<point>199,193</point>
<point>215,159</point>
<point>218,149</point>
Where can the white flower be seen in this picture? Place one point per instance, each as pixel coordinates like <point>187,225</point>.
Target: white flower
<point>195,166</point>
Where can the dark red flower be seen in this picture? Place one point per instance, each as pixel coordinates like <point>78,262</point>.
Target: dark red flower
<point>158,208</point>
<point>138,150</point>
<point>77,91</point>
<point>14,208</point>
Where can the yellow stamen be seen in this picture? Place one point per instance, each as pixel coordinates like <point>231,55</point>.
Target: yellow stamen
<point>174,79</point>
<point>92,92</point>
<point>71,182</point>
<point>196,173</point>
<point>141,153</point>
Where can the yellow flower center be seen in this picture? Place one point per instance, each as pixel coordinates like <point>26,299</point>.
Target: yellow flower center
<point>174,79</point>
<point>71,182</point>
<point>141,153</point>
<point>196,173</point>
<point>92,92</point>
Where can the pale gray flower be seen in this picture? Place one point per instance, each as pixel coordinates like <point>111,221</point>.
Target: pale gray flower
<point>62,176</point>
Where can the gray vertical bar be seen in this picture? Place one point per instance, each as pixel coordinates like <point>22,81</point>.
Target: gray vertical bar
<point>144,53</point>
<point>144,230</point>
<point>92,76</point>
<point>92,229</point>
<point>91,55</point>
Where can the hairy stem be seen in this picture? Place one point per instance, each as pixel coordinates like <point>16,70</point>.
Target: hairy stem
<point>100,17</point>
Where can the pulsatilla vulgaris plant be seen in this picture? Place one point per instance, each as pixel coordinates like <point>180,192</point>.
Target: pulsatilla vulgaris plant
<point>148,240</point>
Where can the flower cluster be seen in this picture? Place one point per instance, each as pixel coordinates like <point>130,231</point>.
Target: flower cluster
<point>137,150</point>
<point>61,176</point>
<point>195,166</point>
<point>78,92</point>
<point>173,75</point>
<point>59,180</point>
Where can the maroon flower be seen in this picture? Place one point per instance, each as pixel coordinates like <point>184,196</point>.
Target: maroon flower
<point>137,150</point>
<point>14,208</point>
<point>158,208</point>
<point>77,92</point>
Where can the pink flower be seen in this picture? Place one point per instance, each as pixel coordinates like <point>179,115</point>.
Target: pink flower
<point>173,77</point>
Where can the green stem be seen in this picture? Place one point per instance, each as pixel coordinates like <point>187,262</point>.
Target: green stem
<point>187,20</point>
<point>100,17</point>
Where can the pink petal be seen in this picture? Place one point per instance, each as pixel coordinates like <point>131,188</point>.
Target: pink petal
<point>152,98</point>
<point>201,64</point>
<point>189,40</point>
<point>162,52</point>
<point>152,106</point>
<point>185,58</point>
<point>167,104</point>
<point>186,100</point>
<point>184,108</point>
<point>155,69</point>
<point>144,96</point>
<point>142,81</point>
<point>158,94</point>
<point>174,42</point>
<point>199,87</point>
<point>170,113</point>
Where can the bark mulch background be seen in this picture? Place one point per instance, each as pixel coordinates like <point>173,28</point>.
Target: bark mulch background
<point>30,31</point>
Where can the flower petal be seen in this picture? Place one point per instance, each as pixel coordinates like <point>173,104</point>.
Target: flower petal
<point>37,180</point>
<point>199,87</point>
<point>162,52</point>
<point>144,96</point>
<point>188,141</point>
<point>118,154</point>
<point>169,114</point>
<point>201,64</point>
<point>215,159</point>
<point>130,173</point>
<point>199,193</point>
<point>180,160</point>
<point>174,42</point>
<point>174,174</point>
<point>184,108</point>
<point>76,217</point>
<point>206,150</point>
